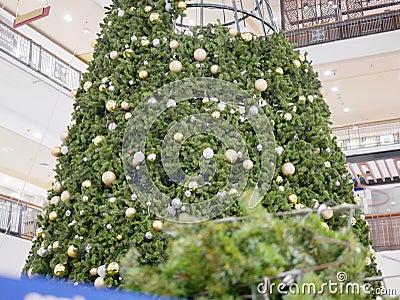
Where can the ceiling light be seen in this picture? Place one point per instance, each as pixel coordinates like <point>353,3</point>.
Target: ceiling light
<point>334,89</point>
<point>7,149</point>
<point>346,109</point>
<point>327,73</point>
<point>392,203</point>
<point>37,135</point>
<point>68,18</point>
<point>86,30</point>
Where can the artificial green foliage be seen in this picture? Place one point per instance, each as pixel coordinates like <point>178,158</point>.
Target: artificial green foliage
<point>93,219</point>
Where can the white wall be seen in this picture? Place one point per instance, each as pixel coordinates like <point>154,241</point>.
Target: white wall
<point>13,253</point>
<point>389,263</point>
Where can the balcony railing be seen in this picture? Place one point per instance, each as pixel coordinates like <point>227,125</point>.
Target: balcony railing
<point>368,135</point>
<point>17,218</point>
<point>37,58</point>
<point>385,231</point>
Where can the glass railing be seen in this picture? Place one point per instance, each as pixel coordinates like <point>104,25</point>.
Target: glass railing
<point>18,218</point>
<point>361,136</point>
<point>37,58</point>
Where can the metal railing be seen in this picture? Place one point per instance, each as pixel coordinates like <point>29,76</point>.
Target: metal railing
<point>351,28</point>
<point>368,135</point>
<point>18,219</point>
<point>37,58</point>
<point>385,232</point>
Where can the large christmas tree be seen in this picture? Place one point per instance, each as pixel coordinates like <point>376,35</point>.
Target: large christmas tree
<point>175,126</point>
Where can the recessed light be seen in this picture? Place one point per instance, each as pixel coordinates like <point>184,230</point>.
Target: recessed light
<point>68,18</point>
<point>37,135</point>
<point>7,149</point>
<point>334,89</point>
<point>346,109</point>
<point>392,203</point>
<point>86,30</point>
<point>327,73</point>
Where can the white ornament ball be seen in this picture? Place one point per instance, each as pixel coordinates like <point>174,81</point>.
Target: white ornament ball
<point>57,187</point>
<point>175,66</point>
<point>85,198</point>
<point>121,13</point>
<point>297,63</point>
<point>87,85</point>
<point>279,179</point>
<point>114,55</point>
<point>151,157</point>
<point>188,193</point>
<point>128,116</point>
<point>327,164</point>
<point>288,116</point>
<point>64,136</point>
<point>261,85</point>
<point>101,271</point>
<point>65,196</point>
<point>125,105</point>
<point>216,114</point>
<point>231,156</point>
<point>139,157</point>
<point>193,185</point>
<point>208,153</point>
<point>178,137</point>
<point>148,235</point>
<point>99,282</point>
<point>214,69</point>
<point>108,178</point>
<point>248,164</point>
<point>93,271</point>
<point>55,200</point>
<point>200,54</point>
<point>327,213</point>
<point>288,169</point>
<point>279,70</point>
<point>111,105</point>
<point>129,213</point>
<point>174,44</point>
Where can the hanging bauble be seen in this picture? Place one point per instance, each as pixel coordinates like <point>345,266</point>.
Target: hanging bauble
<point>216,114</point>
<point>139,156</point>
<point>214,69</point>
<point>246,36</point>
<point>279,179</point>
<point>297,63</point>
<point>178,137</point>
<point>93,271</point>
<point>101,271</point>
<point>86,183</point>
<point>175,66</point>
<point>325,226</point>
<point>57,187</point>
<point>148,8</point>
<point>151,157</point>
<point>157,225</point>
<point>55,245</point>
<point>261,85</point>
<point>113,268</point>
<point>128,116</point>
<point>288,169</point>
<point>64,136</point>
<point>148,235</point>
<point>233,31</point>
<point>174,44</point>
<point>72,251</point>
<point>125,105</point>
<point>293,199</point>
<point>65,196</point>
<point>111,105</point>
<point>193,185</point>
<point>200,54</point>
<point>99,282</point>
<point>87,85</point>
<point>327,213</point>
<point>231,156</point>
<point>39,232</point>
<point>119,237</point>
<point>114,55</point>
<point>55,200</point>
<point>288,116</point>
<point>143,74</point>
<point>182,5</point>
<point>56,151</point>
<point>53,216</point>
<point>130,212</point>
<point>279,70</point>
<point>208,153</point>
<point>64,150</point>
<point>176,203</point>
<point>154,17</point>
<point>85,198</point>
<point>310,98</point>
<point>188,193</point>
<point>327,164</point>
<point>108,178</point>
<point>74,93</point>
<point>112,126</point>
<point>121,13</point>
<point>102,87</point>
<point>60,270</point>
<point>128,53</point>
<point>248,164</point>
<point>302,57</point>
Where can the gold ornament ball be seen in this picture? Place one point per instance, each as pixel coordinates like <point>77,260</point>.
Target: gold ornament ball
<point>128,53</point>
<point>65,196</point>
<point>200,54</point>
<point>93,271</point>
<point>182,5</point>
<point>233,31</point>
<point>108,178</point>
<point>125,105</point>
<point>72,251</point>
<point>293,199</point>
<point>64,136</point>
<point>279,70</point>
<point>261,85</point>
<point>288,169</point>
<point>130,212</point>
<point>248,164</point>
<point>325,226</point>
<point>113,268</point>
<point>57,187</point>
<point>74,93</point>
<point>327,213</point>
<point>99,282</point>
<point>214,69</point>
<point>174,44</point>
<point>157,225</point>
<point>87,85</point>
<point>39,232</point>
<point>178,137</point>
<point>53,216</point>
<point>56,151</point>
<point>297,63</point>
<point>135,163</point>
<point>114,55</point>
<point>175,66</point>
<point>231,156</point>
<point>55,200</point>
<point>111,105</point>
<point>60,270</point>
<point>143,74</point>
<point>119,237</point>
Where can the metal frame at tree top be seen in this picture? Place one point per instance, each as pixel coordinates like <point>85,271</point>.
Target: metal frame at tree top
<point>256,13</point>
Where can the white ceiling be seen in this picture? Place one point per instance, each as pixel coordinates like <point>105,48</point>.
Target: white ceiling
<point>367,84</point>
